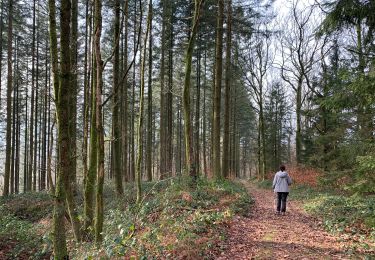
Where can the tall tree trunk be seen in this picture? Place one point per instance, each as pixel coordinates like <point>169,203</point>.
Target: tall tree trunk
<point>1,42</point>
<point>9,100</point>
<point>262,138</point>
<point>62,106</point>
<point>197,109</point>
<point>49,159</point>
<point>74,93</point>
<point>99,122</point>
<point>189,152</point>
<point>225,163</point>
<point>163,127</point>
<point>132,138</point>
<point>36,107</point>
<point>141,106</point>
<point>18,134</point>
<point>149,102</point>
<point>217,91</point>
<point>13,120</point>
<point>204,117</point>
<point>31,138</point>
<point>45,122</point>
<point>88,208</point>
<point>91,180</point>
<point>86,91</point>
<point>124,86</point>
<point>169,96</point>
<point>299,122</point>
<point>25,161</point>
<point>116,143</point>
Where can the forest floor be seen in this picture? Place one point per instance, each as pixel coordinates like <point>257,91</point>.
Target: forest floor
<point>297,235</point>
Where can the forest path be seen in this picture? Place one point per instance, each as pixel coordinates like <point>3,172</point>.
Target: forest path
<point>264,235</point>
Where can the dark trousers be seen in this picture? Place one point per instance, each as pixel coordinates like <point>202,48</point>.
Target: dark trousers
<point>281,201</point>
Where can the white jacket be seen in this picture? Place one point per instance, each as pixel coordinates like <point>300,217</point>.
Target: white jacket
<point>281,182</point>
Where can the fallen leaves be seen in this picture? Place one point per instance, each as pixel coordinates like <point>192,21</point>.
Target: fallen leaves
<point>264,235</point>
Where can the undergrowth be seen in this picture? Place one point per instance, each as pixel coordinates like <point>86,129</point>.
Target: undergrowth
<point>21,233</point>
<point>173,220</point>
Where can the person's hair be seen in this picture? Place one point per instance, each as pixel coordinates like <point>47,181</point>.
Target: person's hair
<point>282,168</point>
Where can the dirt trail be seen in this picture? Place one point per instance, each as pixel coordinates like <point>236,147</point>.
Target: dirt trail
<point>264,235</point>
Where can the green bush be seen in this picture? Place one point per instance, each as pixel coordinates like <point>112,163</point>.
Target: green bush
<point>364,175</point>
<point>20,237</point>
<point>173,217</point>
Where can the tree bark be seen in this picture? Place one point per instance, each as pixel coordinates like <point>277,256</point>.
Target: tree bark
<point>190,163</point>
<point>62,106</point>
<point>1,42</point>
<point>9,100</point>
<point>149,101</point>
<point>116,143</point>
<point>163,127</point>
<point>225,163</point>
<point>217,92</point>
<point>125,135</point>
<point>74,93</point>
<point>99,124</point>
<point>141,107</point>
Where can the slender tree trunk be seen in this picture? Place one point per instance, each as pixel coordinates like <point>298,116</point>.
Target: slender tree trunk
<point>116,143</point>
<point>9,100</point>
<point>197,109</point>
<point>149,102</point>
<point>225,163</point>
<point>54,62</point>
<point>169,96</point>
<point>36,106</point>
<point>132,138</point>
<point>74,93</point>
<point>262,139</point>
<point>141,107</point>
<point>299,122</point>
<point>163,128</point>
<point>49,160</point>
<point>25,161</point>
<point>88,209</point>
<point>13,120</point>
<point>91,180</point>
<point>217,91</point>
<point>1,42</point>
<point>125,135</point>
<point>189,152</point>
<point>31,138</point>
<point>204,116</point>
<point>99,122</point>
<point>18,136</point>
<point>86,91</point>
<point>45,124</point>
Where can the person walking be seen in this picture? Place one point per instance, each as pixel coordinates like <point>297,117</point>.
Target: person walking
<point>280,186</point>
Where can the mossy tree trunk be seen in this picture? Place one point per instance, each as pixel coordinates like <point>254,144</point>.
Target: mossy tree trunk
<point>99,124</point>
<point>116,143</point>
<point>62,108</point>
<point>88,208</point>
<point>189,145</point>
<point>149,102</point>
